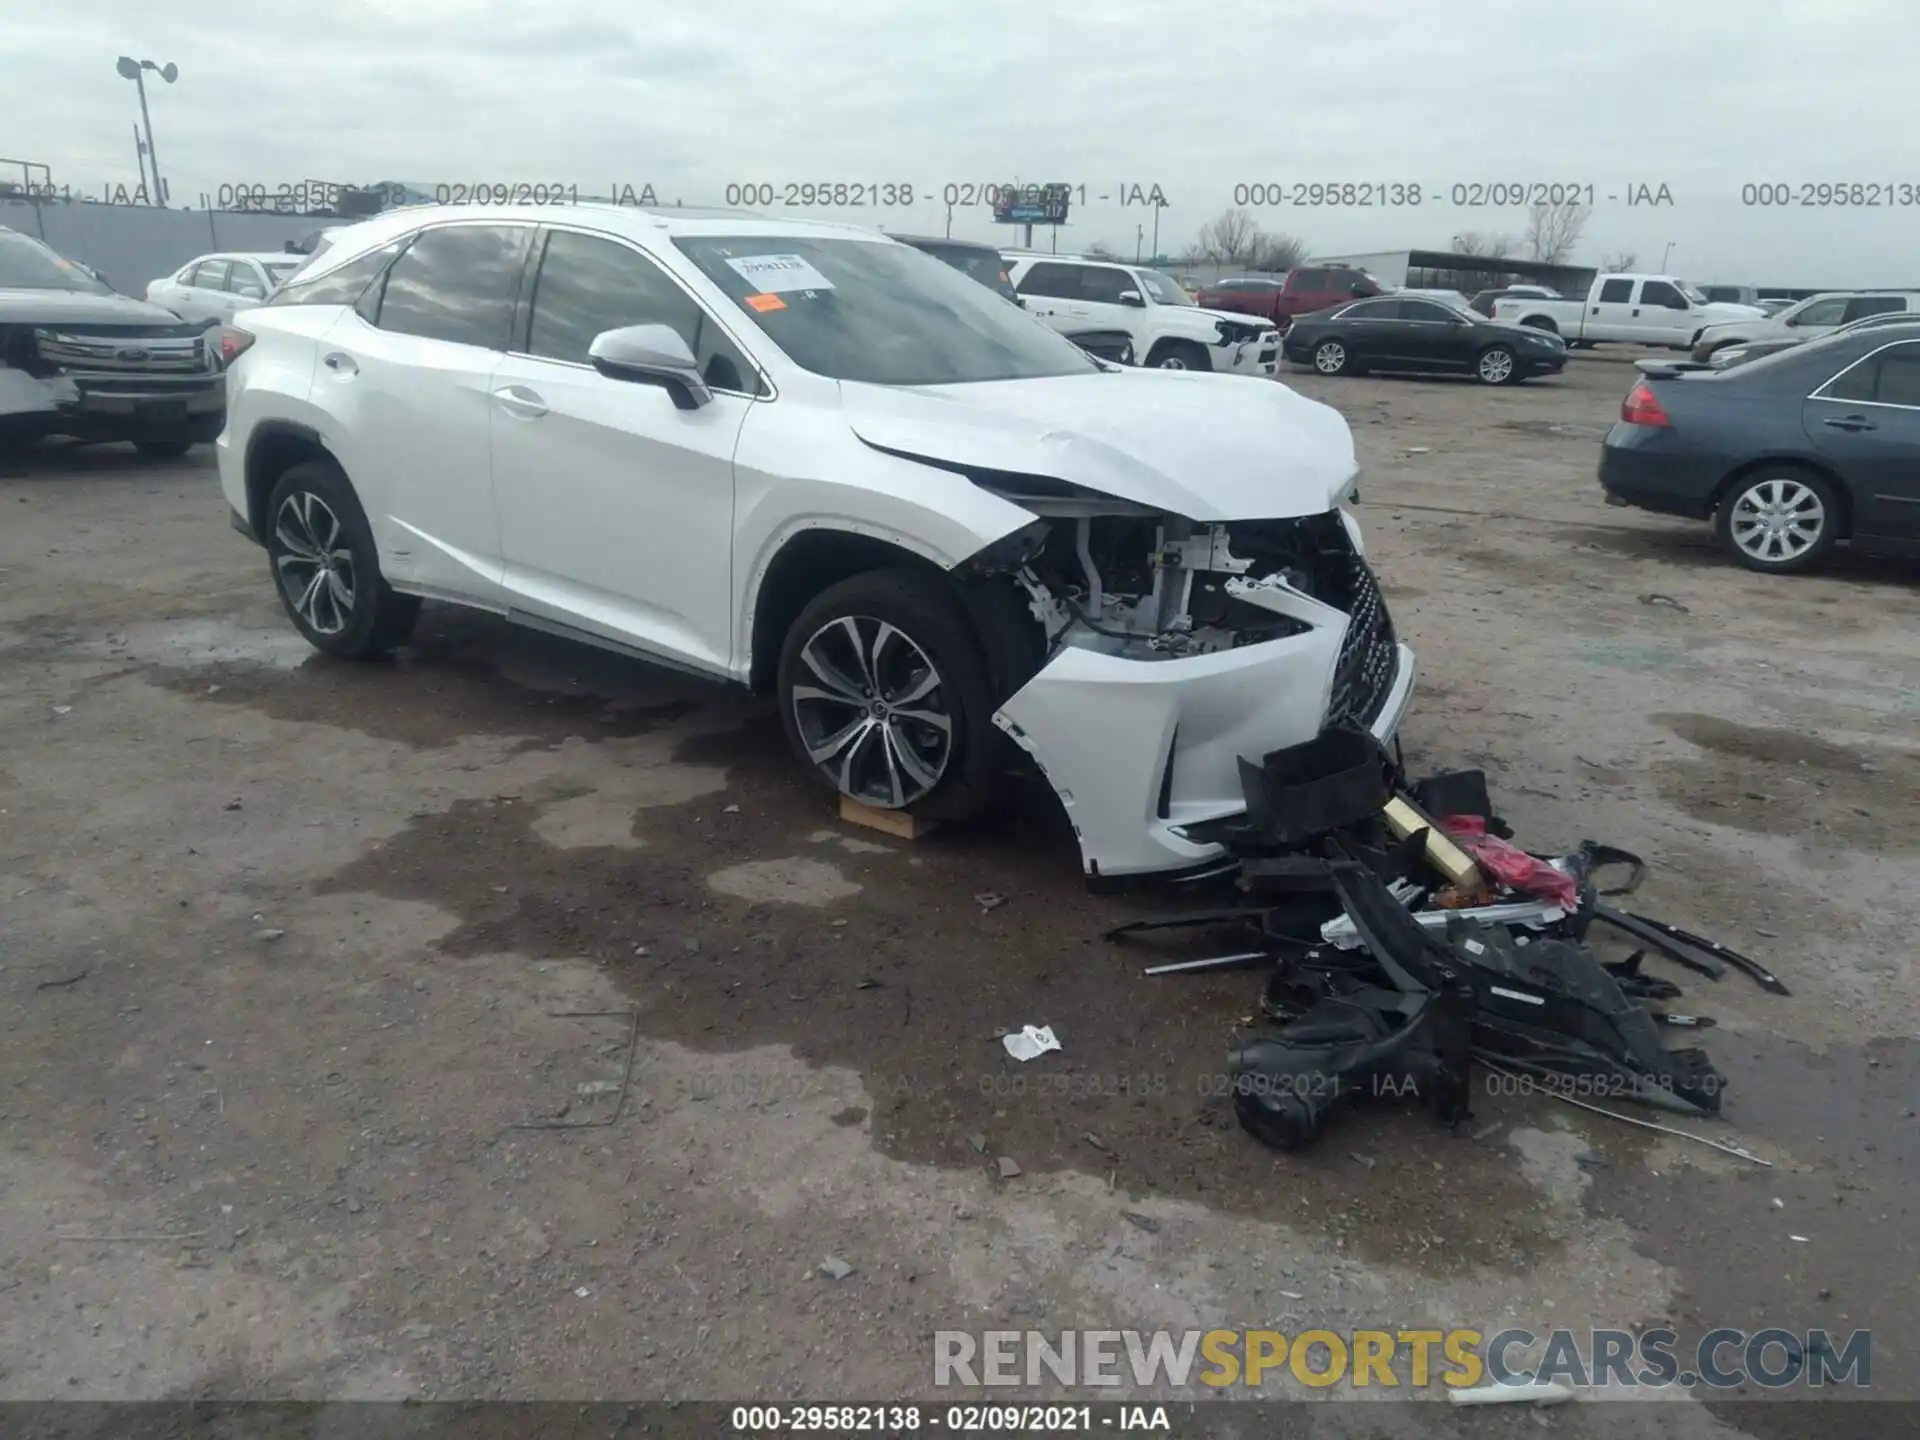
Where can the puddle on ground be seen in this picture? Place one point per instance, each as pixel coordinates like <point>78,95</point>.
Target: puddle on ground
<point>1843,1130</point>
<point>910,984</point>
<point>464,674</point>
<point>1768,781</point>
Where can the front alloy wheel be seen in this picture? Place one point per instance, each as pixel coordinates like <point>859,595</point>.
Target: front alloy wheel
<point>1495,366</point>
<point>1778,522</point>
<point>1330,358</point>
<point>871,712</point>
<point>314,562</point>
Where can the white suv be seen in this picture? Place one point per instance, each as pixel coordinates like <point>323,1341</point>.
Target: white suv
<point>808,459</point>
<point>1169,331</point>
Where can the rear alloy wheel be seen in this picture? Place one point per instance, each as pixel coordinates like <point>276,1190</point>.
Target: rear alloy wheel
<point>1496,366</point>
<point>1330,357</point>
<point>326,568</point>
<point>885,697</point>
<point>1780,522</point>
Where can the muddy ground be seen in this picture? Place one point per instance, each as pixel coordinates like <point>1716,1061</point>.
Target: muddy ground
<point>292,955</point>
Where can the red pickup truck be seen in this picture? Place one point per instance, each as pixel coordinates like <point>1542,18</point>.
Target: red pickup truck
<point>1300,291</point>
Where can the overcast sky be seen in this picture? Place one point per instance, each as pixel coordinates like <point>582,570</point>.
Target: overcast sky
<point>1702,96</point>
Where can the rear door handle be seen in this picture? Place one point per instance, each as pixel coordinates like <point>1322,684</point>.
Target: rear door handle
<point>340,364</point>
<point>519,400</point>
<point>1852,422</point>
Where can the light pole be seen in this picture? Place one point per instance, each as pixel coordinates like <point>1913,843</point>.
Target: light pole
<point>1158,206</point>
<point>1139,234</point>
<point>1666,255</point>
<point>134,70</point>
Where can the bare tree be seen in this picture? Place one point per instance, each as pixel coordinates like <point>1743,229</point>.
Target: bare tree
<point>1100,250</point>
<point>1618,261</point>
<point>1192,258</point>
<point>1229,238</point>
<point>1274,253</point>
<point>1554,230</point>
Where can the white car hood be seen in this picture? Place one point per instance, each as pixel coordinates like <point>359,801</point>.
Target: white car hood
<point>1720,312</point>
<point>1208,447</point>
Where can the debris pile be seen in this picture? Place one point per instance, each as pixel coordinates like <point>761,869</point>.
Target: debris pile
<point>1408,939</point>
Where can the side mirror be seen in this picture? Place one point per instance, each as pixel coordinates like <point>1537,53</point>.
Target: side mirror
<point>1132,297</point>
<point>651,355</point>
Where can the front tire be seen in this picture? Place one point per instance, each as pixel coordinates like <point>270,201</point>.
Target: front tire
<point>326,568</point>
<point>1330,358</point>
<point>885,696</point>
<point>1179,355</point>
<point>1778,521</point>
<point>1496,365</point>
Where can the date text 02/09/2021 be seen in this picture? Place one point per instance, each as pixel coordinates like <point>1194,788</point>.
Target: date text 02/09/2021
<point>1459,194</point>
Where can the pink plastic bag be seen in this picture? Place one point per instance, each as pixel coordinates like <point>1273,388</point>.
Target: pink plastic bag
<point>1509,865</point>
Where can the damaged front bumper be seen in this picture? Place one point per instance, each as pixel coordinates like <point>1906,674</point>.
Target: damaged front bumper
<point>1140,750</point>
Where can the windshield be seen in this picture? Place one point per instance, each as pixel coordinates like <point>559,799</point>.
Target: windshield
<point>880,313</point>
<point>28,265</point>
<point>986,266</point>
<point>1163,290</point>
<point>1692,292</point>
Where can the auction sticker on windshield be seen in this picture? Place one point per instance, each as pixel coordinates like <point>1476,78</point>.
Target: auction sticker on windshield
<point>774,274</point>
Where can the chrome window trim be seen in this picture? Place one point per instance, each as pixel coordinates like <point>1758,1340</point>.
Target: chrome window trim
<point>1849,369</point>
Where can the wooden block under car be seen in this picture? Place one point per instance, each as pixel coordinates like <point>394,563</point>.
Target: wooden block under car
<point>897,823</point>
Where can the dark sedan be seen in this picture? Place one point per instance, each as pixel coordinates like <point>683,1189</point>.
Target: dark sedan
<point>1410,334</point>
<point>1787,455</point>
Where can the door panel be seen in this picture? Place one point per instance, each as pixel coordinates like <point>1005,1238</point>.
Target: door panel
<point>1866,422</point>
<point>414,434</point>
<point>616,507</point>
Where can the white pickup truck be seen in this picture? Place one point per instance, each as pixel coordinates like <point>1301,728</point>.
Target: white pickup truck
<point>1627,310</point>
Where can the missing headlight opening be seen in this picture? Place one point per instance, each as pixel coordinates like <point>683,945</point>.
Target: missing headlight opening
<point>1148,586</point>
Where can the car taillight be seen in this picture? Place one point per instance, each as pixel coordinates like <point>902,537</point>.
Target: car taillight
<point>233,343</point>
<point>1641,408</point>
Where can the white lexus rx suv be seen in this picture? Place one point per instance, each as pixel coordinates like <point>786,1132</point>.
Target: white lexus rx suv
<point>811,460</point>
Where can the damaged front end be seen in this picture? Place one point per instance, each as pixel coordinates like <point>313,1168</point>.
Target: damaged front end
<point>1170,648</point>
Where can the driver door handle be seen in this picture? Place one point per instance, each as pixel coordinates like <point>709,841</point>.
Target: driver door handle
<point>1852,422</point>
<point>519,400</point>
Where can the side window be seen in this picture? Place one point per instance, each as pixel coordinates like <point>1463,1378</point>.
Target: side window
<point>458,283</point>
<point>1425,310</point>
<point>1823,312</point>
<point>1103,284</point>
<point>1312,282</point>
<point>588,284</point>
<point>1059,282</point>
<point>1616,292</point>
<point>243,279</point>
<point>1861,306</point>
<point>1372,310</point>
<point>212,275</point>
<point>1659,292</point>
<point>1855,384</point>
<point>343,286</point>
<point>187,273</point>
<point>1899,382</point>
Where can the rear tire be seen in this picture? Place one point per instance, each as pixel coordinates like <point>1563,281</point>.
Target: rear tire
<point>1779,520</point>
<point>885,696</point>
<point>326,568</point>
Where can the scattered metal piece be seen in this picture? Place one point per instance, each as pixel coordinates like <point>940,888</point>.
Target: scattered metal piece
<point>987,900</point>
<point>1097,1143</point>
<point>1240,960</point>
<point>1535,914</point>
<point>62,984</point>
<point>1009,1167</point>
<point>834,1268</point>
<point>1143,1222</point>
<point>626,1073</point>
<point>979,1143</point>
<point>1366,1160</point>
<point>1665,600</point>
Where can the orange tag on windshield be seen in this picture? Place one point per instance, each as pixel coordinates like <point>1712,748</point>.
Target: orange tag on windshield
<point>764,303</point>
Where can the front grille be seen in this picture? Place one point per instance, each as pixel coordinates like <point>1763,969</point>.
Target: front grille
<point>122,353</point>
<point>1369,655</point>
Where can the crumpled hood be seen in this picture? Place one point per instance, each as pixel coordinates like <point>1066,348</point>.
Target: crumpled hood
<point>1208,447</point>
<point>74,307</point>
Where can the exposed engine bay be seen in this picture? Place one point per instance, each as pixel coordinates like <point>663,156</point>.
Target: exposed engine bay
<point>1143,585</point>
